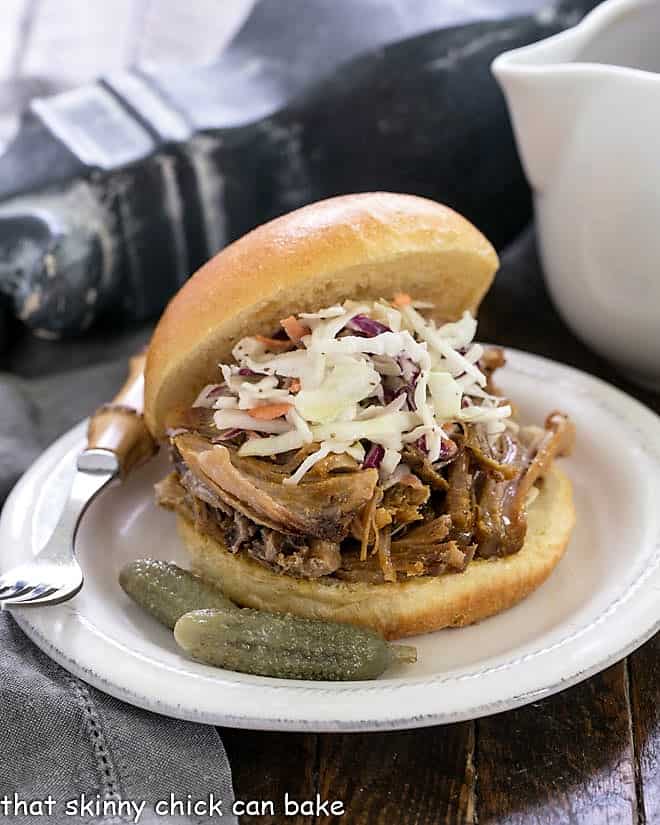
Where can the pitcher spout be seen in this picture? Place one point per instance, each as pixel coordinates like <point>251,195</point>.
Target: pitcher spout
<point>544,91</point>
<point>548,84</point>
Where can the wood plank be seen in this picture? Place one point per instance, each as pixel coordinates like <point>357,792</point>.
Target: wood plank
<point>422,777</point>
<point>265,766</point>
<point>644,692</point>
<point>568,759</point>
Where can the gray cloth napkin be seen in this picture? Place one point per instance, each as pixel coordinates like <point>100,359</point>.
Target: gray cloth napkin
<point>88,752</point>
<point>58,736</point>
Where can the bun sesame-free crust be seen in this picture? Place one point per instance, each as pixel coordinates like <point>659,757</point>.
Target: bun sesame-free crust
<point>357,246</point>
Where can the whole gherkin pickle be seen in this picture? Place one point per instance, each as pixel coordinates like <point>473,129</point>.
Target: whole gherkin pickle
<point>285,646</point>
<point>167,591</point>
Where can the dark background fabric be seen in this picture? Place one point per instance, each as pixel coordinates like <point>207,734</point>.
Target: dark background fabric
<point>112,194</point>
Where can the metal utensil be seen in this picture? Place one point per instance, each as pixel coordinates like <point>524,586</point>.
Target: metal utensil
<point>117,442</point>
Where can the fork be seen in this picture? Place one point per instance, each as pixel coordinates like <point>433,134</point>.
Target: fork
<point>117,442</point>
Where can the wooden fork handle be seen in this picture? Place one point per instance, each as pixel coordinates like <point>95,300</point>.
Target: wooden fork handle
<point>118,427</point>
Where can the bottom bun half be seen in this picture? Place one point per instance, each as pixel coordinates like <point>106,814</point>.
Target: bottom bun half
<point>408,608</point>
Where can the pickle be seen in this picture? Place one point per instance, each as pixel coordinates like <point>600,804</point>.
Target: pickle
<point>285,646</point>
<point>167,591</point>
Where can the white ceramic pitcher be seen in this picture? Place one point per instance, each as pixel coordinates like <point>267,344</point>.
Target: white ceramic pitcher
<point>585,106</point>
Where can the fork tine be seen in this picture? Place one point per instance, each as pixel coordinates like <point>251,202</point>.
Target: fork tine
<point>41,591</point>
<point>53,597</point>
<point>12,585</point>
<point>20,589</point>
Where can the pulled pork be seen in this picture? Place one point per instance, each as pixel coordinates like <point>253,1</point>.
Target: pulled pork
<point>342,521</point>
<point>283,552</point>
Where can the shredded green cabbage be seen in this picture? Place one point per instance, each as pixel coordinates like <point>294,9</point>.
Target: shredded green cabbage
<point>341,389</point>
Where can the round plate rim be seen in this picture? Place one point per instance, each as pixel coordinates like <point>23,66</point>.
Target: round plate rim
<point>646,423</point>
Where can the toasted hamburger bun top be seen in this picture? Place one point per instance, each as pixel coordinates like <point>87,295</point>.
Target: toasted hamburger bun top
<point>357,246</point>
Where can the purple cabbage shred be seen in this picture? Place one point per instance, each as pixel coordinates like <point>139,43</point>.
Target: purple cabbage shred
<point>374,457</point>
<point>390,393</point>
<point>217,391</point>
<point>367,325</point>
<point>227,435</point>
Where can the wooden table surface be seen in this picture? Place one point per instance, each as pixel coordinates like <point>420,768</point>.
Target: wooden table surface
<point>588,755</point>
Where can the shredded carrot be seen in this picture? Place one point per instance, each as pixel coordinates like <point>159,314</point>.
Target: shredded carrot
<point>269,411</point>
<point>274,344</point>
<point>294,328</point>
<point>401,299</point>
<point>294,386</point>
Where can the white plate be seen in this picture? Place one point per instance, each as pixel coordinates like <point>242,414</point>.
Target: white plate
<point>601,602</point>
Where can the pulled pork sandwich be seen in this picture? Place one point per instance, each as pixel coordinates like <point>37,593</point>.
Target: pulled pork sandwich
<point>339,448</point>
